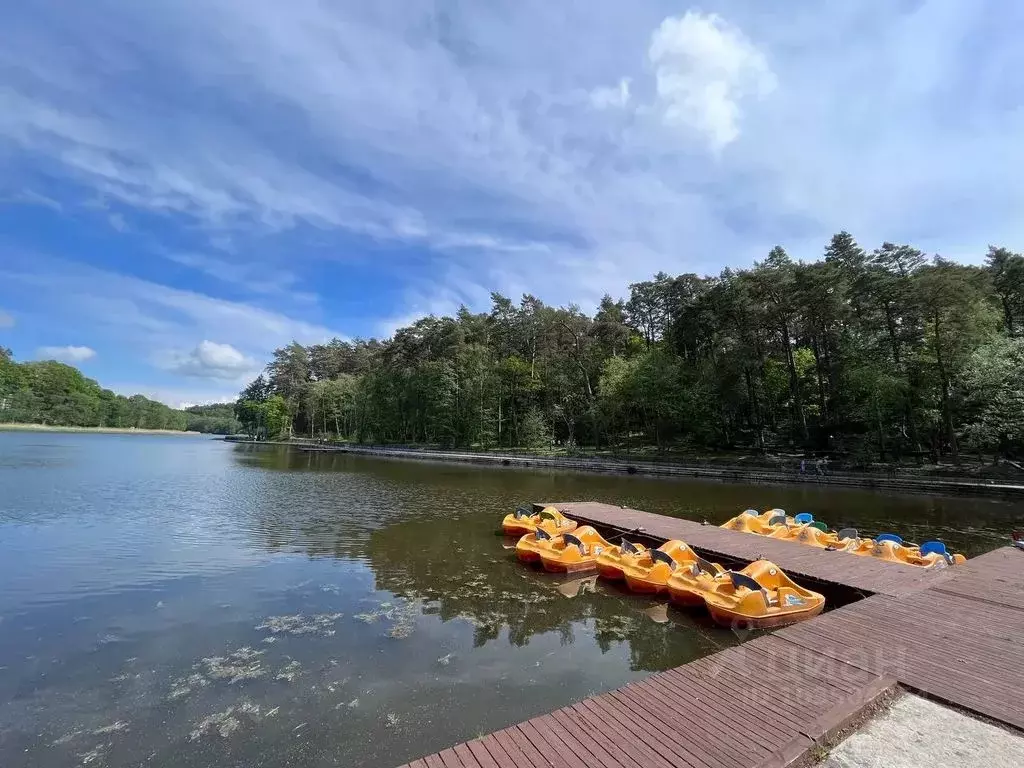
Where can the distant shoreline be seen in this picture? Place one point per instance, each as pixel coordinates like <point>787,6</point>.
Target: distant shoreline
<point>100,430</point>
<point>909,483</point>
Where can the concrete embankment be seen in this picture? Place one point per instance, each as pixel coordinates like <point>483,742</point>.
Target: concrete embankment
<point>729,474</point>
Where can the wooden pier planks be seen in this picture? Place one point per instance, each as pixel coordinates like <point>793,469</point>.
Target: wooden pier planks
<point>955,642</point>
<point>710,714</point>
<point>862,573</point>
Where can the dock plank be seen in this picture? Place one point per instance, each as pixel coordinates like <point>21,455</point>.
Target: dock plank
<point>675,718</point>
<point>940,642</point>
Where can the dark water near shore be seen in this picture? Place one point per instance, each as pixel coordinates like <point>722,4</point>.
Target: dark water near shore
<point>187,602</point>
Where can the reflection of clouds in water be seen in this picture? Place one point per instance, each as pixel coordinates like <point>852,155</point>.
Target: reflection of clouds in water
<point>423,632</point>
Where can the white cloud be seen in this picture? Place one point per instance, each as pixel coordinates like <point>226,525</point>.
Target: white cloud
<point>141,317</point>
<point>6,320</point>
<point>704,68</point>
<point>69,354</point>
<point>210,360</point>
<point>118,222</point>
<point>611,97</point>
<point>459,132</point>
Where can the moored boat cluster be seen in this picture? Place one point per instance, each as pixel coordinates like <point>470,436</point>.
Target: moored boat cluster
<point>803,528</point>
<point>759,595</point>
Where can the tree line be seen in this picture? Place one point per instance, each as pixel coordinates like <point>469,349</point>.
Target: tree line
<point>876,355</point>
<point>48,392</point>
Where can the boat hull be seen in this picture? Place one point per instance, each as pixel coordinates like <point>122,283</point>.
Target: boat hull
<point>610,572</point>
<point>727,618</point>
<point>644,586</point>
<point>560,566</point>
<point>685,599</point>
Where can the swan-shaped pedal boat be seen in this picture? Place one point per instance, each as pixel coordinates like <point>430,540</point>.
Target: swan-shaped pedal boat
<point>611,561</point>
<point>522,522</point>
<point>759,597</point>
<point>574,552</point>
<point>650,572</point>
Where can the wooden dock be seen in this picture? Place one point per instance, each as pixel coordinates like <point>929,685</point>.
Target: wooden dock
<point>839,569</point>
<point>955,635</point>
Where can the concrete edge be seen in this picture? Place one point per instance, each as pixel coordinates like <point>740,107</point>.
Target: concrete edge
<point>832,725</point>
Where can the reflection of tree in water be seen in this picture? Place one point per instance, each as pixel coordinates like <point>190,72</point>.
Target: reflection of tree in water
<point>463,572</point>
<point>429,537</point>
<point>323,513</point>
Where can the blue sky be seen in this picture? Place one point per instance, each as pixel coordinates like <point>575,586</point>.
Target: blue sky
<point>186,185</point>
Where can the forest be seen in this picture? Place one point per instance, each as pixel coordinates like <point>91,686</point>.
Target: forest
<point>217,419</point>
<point>48,392</point>
<point>869,356</point>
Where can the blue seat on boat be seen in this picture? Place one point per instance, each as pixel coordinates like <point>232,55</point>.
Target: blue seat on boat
<point>933,547</point>
<point>889,537</point>
<point>753,512</point>
<point>804,518</point>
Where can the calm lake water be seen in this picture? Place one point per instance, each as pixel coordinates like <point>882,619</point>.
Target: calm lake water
<point>182,601</point>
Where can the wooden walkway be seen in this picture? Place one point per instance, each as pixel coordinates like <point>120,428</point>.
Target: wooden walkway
<point>960,642</point>
<point>746,706</point>
<point>958,638</point>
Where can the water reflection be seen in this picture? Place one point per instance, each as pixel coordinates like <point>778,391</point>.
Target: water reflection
<point>180,602</point>
<point>971,525</point>
<point>460,570</point>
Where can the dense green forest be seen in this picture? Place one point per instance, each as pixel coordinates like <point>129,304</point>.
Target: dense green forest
<point>216,419</point>
<point>876,355</point>
<point>53,393</point>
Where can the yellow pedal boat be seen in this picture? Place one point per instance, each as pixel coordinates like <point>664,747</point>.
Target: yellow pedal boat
<point>610,562</point>
<point>761,596</point>
<point>687,586</point>
<point>650,572</point>
<point>895,552</point>
<point>522,522</point>
<point>529,547</point>
<point>762,523</point>
<point>573,552</point>
<point>807,534</point>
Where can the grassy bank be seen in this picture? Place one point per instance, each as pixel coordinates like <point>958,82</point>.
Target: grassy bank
<point>99,430</point>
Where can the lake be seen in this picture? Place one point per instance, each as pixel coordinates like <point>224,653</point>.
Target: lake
<point>182,601</point>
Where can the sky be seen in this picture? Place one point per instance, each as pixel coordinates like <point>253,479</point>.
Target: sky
<point>187,184</point>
